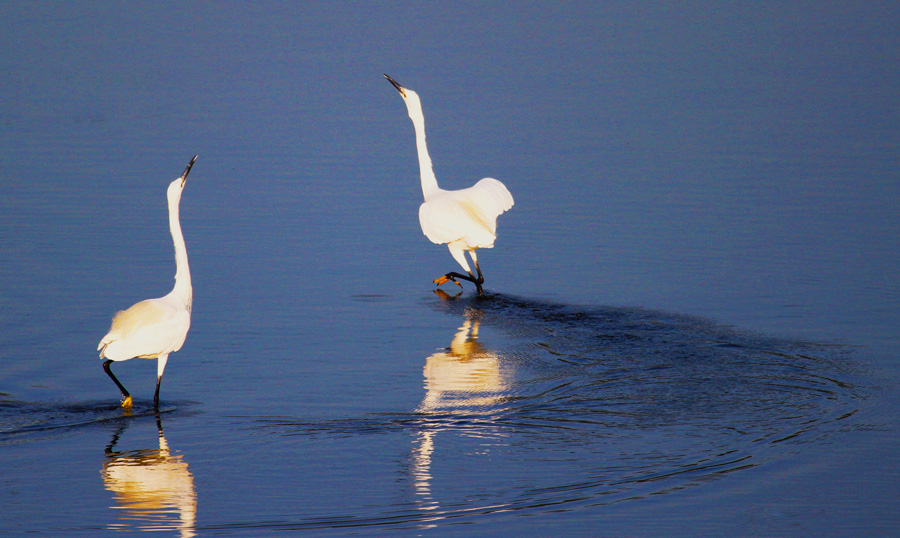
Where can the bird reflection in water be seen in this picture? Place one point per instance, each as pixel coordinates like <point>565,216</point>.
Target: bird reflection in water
<point>465,379</point>
<point>153,488</point>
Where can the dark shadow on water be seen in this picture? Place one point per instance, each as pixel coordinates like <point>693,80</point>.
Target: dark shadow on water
<point>24,421</point>
<point>575,407</point>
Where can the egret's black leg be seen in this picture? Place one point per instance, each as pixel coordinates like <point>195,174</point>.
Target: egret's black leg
<point>126,397</point>
<point>480,279</point>
<point>156,394</point>
<point>479,288</point>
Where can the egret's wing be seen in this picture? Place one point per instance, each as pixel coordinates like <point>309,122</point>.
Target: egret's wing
<point>148,328</point>
<point>446,219</point>
<point>468,214</point>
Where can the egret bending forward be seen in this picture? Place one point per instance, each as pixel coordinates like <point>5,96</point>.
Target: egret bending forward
<point>466,219</point>
<point>155,327</point>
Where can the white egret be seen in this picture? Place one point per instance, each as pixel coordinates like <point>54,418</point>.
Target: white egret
<point>155,327</point>
<point>464,219</point>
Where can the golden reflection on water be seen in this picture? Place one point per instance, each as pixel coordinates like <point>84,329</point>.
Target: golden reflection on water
<point>466,378</point>
<point>153,489</point>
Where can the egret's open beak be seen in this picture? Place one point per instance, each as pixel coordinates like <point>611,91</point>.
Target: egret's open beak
<point>399,87</point>
<point>188,170</point>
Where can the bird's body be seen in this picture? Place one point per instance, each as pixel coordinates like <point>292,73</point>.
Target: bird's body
<point>154,328</point>
<point>466,219</point>
<point>150,329</point>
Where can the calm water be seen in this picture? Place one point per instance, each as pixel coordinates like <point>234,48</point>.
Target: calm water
<point>691,326</point>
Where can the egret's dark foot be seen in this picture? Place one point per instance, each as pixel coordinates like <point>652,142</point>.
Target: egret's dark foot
<point>449,277</point>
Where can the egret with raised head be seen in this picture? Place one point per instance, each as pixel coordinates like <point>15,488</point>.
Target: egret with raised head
<point>466,219</point>
<point>154,328</point>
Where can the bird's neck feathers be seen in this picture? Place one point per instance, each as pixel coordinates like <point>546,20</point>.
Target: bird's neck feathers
<point>426,169</point>
<point>182,287</point>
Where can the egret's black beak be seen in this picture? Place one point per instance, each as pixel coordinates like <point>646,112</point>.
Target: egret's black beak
<point>188,170</point>
<point>399,87</point>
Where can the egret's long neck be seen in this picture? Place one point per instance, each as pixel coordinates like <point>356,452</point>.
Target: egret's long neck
<point>182,272</point>
<point>426,171</point>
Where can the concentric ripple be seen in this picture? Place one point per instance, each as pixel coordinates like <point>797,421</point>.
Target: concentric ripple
<point>575,407</point>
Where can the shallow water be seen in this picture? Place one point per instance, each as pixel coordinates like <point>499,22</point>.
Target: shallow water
<point>691,318</point>
<point>528,408</point>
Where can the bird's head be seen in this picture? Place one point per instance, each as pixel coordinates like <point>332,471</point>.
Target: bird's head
<point>177,186</point>
<point>410,97</point>
<point>397,85</point>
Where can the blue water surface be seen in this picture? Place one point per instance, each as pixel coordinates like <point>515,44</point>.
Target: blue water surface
<point>692,310</point>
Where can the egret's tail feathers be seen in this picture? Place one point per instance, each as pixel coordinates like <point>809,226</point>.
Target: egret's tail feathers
<point>497,198</point>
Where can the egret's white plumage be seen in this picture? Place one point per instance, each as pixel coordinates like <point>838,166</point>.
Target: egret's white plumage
<point>154,328</point>
<point>465,219</point>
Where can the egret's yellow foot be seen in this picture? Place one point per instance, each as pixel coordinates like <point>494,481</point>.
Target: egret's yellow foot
<point>444,279</point>
<point>126,402</point>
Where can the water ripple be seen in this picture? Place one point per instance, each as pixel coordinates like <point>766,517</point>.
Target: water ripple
<point>27,421</point>
<point>578,407</point>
